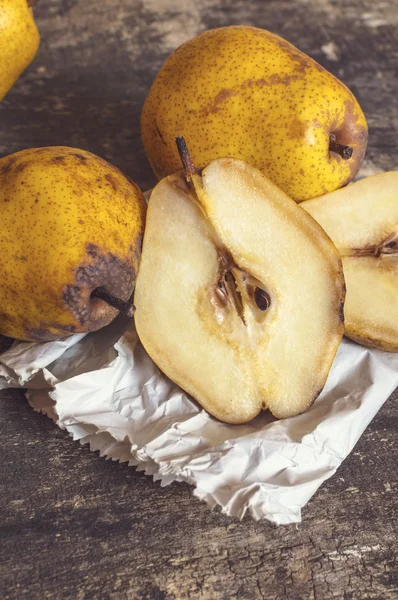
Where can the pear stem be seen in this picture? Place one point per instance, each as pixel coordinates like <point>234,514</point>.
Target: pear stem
<point>344,151</point>
<point>185,156</point>
<point>122,306</point>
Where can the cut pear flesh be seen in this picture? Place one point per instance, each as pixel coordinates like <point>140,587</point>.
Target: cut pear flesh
<point>362,220</point>
<point>239,293</point>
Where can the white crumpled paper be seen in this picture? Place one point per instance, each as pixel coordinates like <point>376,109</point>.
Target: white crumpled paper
<point>105,390</point>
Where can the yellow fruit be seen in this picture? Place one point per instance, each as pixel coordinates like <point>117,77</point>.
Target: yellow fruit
<point>70,223</point>
<point>246,93</point>
<point>19,41</point>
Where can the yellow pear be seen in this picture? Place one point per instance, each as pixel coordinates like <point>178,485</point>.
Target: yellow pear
<point>246,93</point>
<point>71,231</point>
<point>19,41</point>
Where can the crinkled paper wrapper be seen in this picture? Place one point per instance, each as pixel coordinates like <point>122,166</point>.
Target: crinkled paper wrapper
<point>105,390</point>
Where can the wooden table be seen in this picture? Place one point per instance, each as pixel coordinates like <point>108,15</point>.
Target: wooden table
<point>74,526</point>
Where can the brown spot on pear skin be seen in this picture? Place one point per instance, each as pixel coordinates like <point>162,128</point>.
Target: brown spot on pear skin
<point>20,167</point>
<point>286,79</point>
<point>273,79</point>
<point>222,95</point>
<point>7,165</point>
<point>91,249</point>
<point>296,130</point>
<point>41,150</point>
<point>112,181</point>
<point>5,318</point>
<point>82,158</point>
<point>99,270</point>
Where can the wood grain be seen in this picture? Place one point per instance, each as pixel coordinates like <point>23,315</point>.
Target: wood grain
<point>77,527</point>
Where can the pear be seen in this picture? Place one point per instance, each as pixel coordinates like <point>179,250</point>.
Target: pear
<point>239,292</point>
<point>362,220</point>
<point>70,243</point>
<point>19,41</point>
<point>246,93</point>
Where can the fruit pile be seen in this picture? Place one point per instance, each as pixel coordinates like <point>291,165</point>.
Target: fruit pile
<point>252,237</point>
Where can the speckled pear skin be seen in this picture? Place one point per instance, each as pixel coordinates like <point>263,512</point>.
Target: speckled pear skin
<point>70,222</point>
<point>246,93</point>
<point>19,41</point>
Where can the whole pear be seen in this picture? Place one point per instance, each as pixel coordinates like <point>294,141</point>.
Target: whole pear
<point>19,41</point>
<point>70,223</point>
<point>246,93</point>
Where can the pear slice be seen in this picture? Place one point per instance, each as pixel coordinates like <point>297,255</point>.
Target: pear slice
<point>239,293</point>
<point>362,220</point>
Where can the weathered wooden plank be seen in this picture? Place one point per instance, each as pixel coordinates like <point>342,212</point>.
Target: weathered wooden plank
<point>76,526</point>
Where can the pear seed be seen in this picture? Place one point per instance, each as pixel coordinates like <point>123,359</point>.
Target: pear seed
<point>262,299</point>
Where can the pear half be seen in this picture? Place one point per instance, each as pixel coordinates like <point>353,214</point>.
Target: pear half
<point>239,294</point>
<point>362,220</point>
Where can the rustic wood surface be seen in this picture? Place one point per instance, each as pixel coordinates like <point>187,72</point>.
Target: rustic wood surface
<point>74,526</point>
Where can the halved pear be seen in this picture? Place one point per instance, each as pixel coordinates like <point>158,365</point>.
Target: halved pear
<point>239,293</point>
<point>362,220</point>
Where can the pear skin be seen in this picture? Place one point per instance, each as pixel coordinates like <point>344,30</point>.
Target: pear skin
<point>246,93</point>
<point>19,41</point>
<point>71,223</point>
